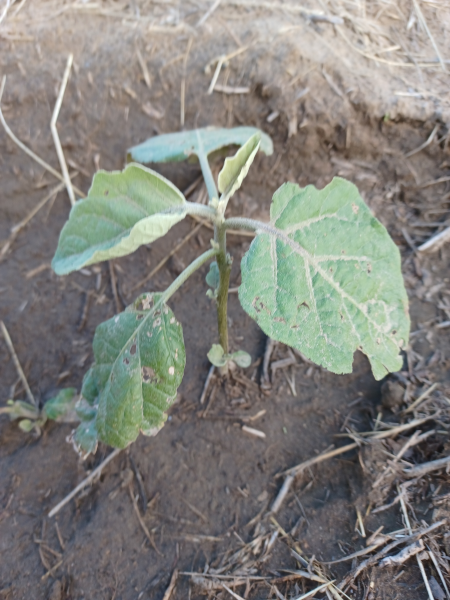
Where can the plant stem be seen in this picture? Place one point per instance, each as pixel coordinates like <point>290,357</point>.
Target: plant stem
<point>224,265</point>
<point>178,282</point>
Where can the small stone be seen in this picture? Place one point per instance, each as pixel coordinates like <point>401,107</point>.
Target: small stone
<point>392,393</point>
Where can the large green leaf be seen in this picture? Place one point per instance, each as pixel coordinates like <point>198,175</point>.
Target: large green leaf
<point>123,210</point>
<point>139,364</point>
<point>175,147</point>
<point>236,168</point>
<point>325,278</point>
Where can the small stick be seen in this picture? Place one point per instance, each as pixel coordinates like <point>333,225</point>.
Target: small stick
<point>51,571</point>
<point>255,432</point>
<point>60,537</point>
<point>183,82</point>
<point>436,241</point>
<point>428,467</point>
<point>228,89</point>
<point>207,382</point>
<point>315,590</point>
<point>16,228</point>
<point>85,482</point>
<point>282,494</point>
<point>421,398</point>
<point>438,569</point>
<point>166,258</point>
<point>144,68</point>
<point>317,459</point>
<point>112,275</point>
<point>436,49</point>
<point>225,587</point>
<point>216,75</point>
<point>425,144</point>
<point>141,521</point>
<point>408,526</point>
<point>209,12</point>
<point>30,153</point>
<point>19,369</point>
<point>56,140</point>
<point>172,584</point>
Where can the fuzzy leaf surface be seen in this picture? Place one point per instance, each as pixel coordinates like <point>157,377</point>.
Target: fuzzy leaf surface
<point>123,210</point>
<point>325,278</point>
<point>179,146</point>
<point>62,405</point>
<point>236,167</point>
<point>139,364</point>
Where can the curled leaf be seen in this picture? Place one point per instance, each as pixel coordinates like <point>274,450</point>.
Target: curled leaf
<point>123,210</point>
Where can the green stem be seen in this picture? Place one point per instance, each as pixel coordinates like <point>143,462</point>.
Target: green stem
<point>178,282</point>
<point>224,265</point>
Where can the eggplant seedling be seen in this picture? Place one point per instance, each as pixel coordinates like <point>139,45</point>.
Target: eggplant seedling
<point>322,276</point>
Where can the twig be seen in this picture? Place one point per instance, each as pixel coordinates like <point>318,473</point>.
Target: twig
<point>51,571</point>
<point>141,521</point>
<point>254,432</point>
<point>419,561</point>
<point>5,10</point>
<point>425,26</point>
<point>206,386</point>
<point>282,494</point>
<point>438,569</point>
<point>30,153</point>
<point>403,556</point>
<point>420,399</point>
<point>166,258</point>
<point>16,228</point>
<point>183,81</point>
<point>17,363</point>
<point>318,459</point>
<point>225,587</point>
<point>428,467</point>
<point>172,584</point>
<point>228,89</point>
<point>436,241</point>
<point>425,144</point>
<point>314,591</point>
<point>56,140</point>
<point>144,68</point>
<point>84,483</point>
<point>209,12</point>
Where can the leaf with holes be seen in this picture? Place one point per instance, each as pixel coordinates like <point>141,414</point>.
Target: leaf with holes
<point>236,168</point>
<point>325,277</point>
<point>179,146</point>
<point>139,364</point>
<point>123,210</point>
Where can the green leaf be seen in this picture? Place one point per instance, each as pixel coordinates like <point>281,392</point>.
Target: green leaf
<point>139,364</point>
<point>61,407</point>
<point>325,277</point>
<point>85,438</point>
<point>241,358</point>
<point>123,210</point>
<point>175,147</point>
<point>236,167</point>
<point>26,425</point>
<point>213,276</point>
<point>217,356</point>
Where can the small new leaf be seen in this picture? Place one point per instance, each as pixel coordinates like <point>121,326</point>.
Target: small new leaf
<point>213,277</point>
<point>175,147</point>
<point>325,277</point>
<point>123,210</point>
<point>236,168</point>
<point>241,358</point>
<point>217,356</point>
<point>139,364</point>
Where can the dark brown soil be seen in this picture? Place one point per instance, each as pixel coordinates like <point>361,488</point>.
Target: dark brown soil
<point>204,478</point>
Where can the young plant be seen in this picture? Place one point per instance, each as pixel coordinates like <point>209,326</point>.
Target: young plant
<point>322,276</point>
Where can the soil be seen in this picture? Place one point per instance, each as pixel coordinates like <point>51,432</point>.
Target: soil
<point>204,479</point>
